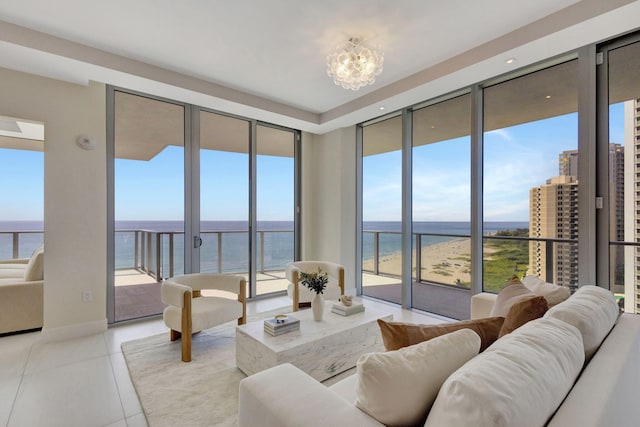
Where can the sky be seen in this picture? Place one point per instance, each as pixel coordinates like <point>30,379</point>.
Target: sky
<point>516,159</point>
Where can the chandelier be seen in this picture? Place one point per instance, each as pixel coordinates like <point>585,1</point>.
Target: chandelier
<point>354,65</point>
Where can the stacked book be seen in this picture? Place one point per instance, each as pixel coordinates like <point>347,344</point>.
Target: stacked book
<point>343,310</point>
<point>276,326</point>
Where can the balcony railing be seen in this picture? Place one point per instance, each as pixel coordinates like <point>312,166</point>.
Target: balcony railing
<point>159,253</point>
<point>377,239</point>
<point>21,243</point>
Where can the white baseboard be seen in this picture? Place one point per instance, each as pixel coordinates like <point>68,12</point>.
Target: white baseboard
<point>73,331</point>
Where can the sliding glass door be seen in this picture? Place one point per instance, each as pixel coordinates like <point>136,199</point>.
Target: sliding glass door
<point>224,194</point>
<point>148,202</point>
<point>183,200</point>
<point>275,207</point>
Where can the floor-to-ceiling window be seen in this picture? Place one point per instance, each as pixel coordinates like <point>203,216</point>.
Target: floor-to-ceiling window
<point>441,207</point>
<point>622,77</point>
<point>148,201</point>
<point>382,209</point>
<point>224,193</point>
<point>531,177</point>
<point>526,126</point>
<point>275,207</point>
<point>226,183</point>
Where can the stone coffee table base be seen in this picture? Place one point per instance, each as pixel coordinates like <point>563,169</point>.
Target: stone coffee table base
<point>321,349</point>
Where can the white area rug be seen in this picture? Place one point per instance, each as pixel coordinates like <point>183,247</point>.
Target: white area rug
<point>203,392</point>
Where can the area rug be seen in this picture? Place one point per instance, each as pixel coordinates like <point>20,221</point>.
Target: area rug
<point>203,392</point>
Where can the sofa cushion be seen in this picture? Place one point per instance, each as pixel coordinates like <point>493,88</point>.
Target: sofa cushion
<point>397,388</point>
<point>591,309</point>
<point>554,294</point>
<point>519,381</point>
<point>35,267</point>
<point>396,335</point>
<point>508,296</point>
<point>523,311</point>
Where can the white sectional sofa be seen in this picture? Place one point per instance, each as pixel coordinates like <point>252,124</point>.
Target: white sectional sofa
<point>534,376</point>
<point>22,293</point>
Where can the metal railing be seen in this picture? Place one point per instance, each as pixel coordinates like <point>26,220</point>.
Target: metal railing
<point>549,248</point>
<point>15,241</point>
<point>154,252</point>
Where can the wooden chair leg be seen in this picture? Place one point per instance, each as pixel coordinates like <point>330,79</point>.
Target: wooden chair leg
<point>174,335</point>
<point>296,292</point>
<point>186,328</point>
<point>242,298</point>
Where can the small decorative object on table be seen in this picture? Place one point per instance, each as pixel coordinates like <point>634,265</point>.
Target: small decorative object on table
<point>317,282</point>
<point>344,310</point>
<point>347,300</point>
<point>280,324</point>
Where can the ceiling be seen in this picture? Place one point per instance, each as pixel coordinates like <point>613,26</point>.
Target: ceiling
<point>266,59</point>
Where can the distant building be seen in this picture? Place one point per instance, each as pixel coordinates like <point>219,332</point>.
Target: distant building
<point>629,285</point>
<point>553,214</point>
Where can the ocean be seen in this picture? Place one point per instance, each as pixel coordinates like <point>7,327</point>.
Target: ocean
<point>275,241</point>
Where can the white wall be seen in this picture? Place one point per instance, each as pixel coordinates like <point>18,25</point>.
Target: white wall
<point>329,199</point>
<point>75,196</point>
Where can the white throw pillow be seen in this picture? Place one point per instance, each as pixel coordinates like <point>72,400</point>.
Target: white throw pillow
<point>508,296</point>
<point>591,309</point>
<point>520,380</point>
<point>554,294</point>
<point>398,387</point>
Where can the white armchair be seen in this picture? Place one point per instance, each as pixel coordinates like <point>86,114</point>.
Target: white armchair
<point>189,312</point>
<point>301,294</point>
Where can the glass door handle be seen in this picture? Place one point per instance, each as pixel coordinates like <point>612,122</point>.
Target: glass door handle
<point>197,242</point>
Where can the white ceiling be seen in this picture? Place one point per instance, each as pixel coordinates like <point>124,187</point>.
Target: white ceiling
<point>266,59</point>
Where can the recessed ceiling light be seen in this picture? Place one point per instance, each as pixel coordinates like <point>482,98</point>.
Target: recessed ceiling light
<point>510,60</point>
<point>548,97</point>
<point>381,108</point>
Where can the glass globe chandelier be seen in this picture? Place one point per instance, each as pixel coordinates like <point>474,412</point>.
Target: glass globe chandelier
<point>354,65</point>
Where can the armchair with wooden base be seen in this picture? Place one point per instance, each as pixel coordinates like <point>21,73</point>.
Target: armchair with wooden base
<point>301,294</point>
<point>189,312</point>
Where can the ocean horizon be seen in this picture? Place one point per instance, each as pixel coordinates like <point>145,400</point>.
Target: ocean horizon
<point>278,241</point>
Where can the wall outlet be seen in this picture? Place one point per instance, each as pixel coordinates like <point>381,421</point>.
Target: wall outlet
<point>87,296</point>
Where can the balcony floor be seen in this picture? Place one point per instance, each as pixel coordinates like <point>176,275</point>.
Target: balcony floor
<point>444,300</point>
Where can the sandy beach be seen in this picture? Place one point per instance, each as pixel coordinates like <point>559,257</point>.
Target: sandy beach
<point>446,262</point>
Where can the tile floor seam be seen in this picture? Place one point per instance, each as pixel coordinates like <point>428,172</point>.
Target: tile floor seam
<point>15,397</point>
<point>115,379</point>
<point>64,365</point>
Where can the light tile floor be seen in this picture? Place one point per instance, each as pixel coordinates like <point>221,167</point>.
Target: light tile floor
<point>85,382</point>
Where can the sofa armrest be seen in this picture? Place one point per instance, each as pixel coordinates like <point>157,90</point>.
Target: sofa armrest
<point>21,306</point>
<point>286,396</point>
<point>606,393</point>
<point>481,304</point>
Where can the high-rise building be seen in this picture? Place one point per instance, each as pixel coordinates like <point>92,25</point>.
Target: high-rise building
<point>553,214</point>
<point>631,267</point>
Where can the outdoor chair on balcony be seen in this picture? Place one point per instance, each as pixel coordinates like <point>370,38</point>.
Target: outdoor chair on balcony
<point>189,312</point>
<point>300,294</point>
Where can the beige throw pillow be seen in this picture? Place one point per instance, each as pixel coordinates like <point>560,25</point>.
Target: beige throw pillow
<point>397,388</point>
<point>508,296</point>
<point>554,294</point>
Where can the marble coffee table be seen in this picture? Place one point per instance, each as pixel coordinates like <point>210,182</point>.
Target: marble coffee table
<point>321,349</point>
